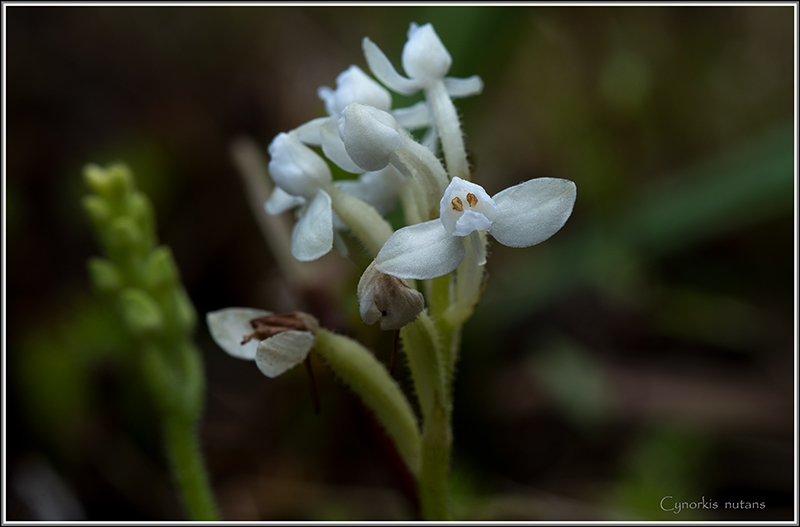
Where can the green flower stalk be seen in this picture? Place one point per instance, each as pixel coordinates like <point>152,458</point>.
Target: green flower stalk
<point>142,281</point>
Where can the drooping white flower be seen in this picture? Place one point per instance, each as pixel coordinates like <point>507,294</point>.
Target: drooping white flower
<point>301,176</point>
<point>425,60</point>
<point>519,216</point>
<point>276,343</point>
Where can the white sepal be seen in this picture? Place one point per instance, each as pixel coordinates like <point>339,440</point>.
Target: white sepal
<point>532,211</point>
<point>369,135</point>
<point>229,326</point>
<point>279,201</point>
<point>283,351</point>
<point>312,235</point>
<point>424,56</point>
<point>458,88</point>
<point>413,117</point>
<point>295,167</point>
<point>309,133</point>
<point>384,71</point>
<point>421,251</point>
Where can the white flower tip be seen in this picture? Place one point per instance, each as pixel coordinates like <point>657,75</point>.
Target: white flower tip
<point>369,135</point>
<point>424,55</point>
<point>353,85</point>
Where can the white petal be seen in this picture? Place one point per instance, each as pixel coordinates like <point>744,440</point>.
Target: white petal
<point>333,147</point>
<point>308,133</point>
<point>532,211</point>
<point>458,88</point>
<point>229,326</point>
<point>312,236</point>
<point>369,135</point>
<point>424,55</point>
<point>413,117</point>
<point>283,351</point>
<point>384,71</point>
<point>279,201</point>
<point>422,251</point>
<point>353,85</point>
<point>295,167</point>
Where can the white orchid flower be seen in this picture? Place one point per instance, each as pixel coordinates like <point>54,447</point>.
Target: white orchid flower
<point>276,343</point>
<point>301,176</point>
<point>425,60</point>
<point>519,216</point>
<point>303,181</point>
<point>352,85</point>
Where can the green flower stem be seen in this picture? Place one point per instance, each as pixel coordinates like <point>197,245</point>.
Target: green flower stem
<point>425,353</point>
<point>360,370</point>
<point>189,471</point>
<point>446,117</point>
<point>432,482</point>
<point>365,222</point>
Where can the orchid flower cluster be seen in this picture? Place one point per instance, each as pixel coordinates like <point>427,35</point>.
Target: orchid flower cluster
<point>425,278</point>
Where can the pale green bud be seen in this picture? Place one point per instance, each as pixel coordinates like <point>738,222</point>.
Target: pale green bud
<point>105,275</point>
<point>98,209</point>
<point>139,208</point>
<point>113,183</point>
<point>160,270</point>
<point>141,313</point>
<point>187,316</point>
<point>123,232</point>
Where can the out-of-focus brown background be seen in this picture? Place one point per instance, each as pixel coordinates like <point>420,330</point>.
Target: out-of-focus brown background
<point>641,357</point>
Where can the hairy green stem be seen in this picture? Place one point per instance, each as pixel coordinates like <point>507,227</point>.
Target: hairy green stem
<point>446,117</point>
<point>189,470</point>
<point>366,376</point>
<point>423,347</point>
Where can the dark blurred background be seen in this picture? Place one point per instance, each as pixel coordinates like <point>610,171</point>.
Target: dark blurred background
<point>644,352</point>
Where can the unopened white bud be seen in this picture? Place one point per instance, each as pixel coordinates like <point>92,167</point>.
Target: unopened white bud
<point>424,56</point>
<point>353,85</point>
